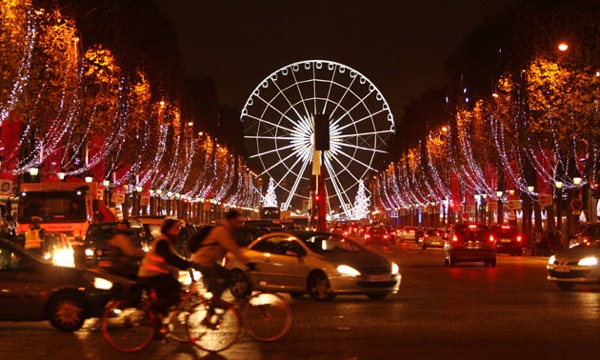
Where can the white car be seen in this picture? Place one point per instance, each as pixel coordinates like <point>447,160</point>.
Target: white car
<point>577,265</point>
<point>321,264</point>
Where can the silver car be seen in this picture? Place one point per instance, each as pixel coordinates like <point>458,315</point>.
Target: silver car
<point>321,264</point>
<point>577,265</point>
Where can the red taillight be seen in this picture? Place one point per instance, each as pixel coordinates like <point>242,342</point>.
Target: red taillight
<point>367,236</point>
<point>519,238</point>
<point>472,226</point>
<point>454,239</point>
<point>506,226</point>
<point>492,238</point>
<point>385,236</point>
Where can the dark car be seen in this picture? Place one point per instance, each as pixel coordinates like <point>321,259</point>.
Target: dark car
<point>508,240</point>
<point>97,251</point>
<point>32,289</point>
<point>470,242</point>
<point>378,235</point>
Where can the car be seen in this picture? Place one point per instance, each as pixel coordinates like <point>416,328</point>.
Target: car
<point>470,242</point>
<point>508,239</point>
<point>321,264</point>
<point>410,233</point>
<point>244,235</point>
<point>576,265</point>
<point>96,250</point>
<point>433,238</point>
<point>267,224</point>
<point>589,234</point>
<point>378,235</point>
<point>33,289</point>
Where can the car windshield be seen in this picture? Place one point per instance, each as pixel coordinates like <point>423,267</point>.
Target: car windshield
<point>330,243</point>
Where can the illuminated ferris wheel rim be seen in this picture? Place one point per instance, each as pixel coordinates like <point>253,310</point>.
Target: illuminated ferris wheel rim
<point>281,112</point>
<point>331,65</point>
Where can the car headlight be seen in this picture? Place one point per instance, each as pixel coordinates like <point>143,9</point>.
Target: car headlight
<point>395,268</point>
<point>348,270</point>
<point>551,260</point>
<point>588,261</point>
<point>102,284</point>
<point>89,252</point>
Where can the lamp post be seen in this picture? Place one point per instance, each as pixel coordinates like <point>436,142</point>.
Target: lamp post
<point>500,218</point>
<point>558,186</point>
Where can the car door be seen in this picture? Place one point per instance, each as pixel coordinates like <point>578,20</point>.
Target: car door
<point>281,264</point>
<point>20,289</point>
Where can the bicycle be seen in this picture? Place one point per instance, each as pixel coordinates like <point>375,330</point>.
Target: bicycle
<point>131,327</point>
<point>264,316</point>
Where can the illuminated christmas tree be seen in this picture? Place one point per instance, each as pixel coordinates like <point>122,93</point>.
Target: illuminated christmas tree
<point>270,199</point>
<point>361,203</point>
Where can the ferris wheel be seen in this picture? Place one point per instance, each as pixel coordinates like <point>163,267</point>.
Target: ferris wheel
<point>279,117</point>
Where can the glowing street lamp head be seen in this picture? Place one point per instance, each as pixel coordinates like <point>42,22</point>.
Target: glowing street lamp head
<point>563,46</point>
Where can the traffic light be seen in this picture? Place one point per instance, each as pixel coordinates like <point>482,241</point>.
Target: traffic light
<point>321,132</point>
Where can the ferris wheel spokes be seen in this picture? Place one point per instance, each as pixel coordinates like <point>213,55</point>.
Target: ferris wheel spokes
<point>340,192</point>
<point>294,188</point>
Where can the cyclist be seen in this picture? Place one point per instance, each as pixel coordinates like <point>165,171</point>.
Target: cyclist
<point>160,266</point>
<point>125,256</point>
<point>210,255</point>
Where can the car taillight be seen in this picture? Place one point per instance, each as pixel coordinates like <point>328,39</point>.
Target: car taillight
<point>367,236</point>
<point>492,238</point>
<point>385,236</point>
<point>454,239</point>
<point>518,238</point>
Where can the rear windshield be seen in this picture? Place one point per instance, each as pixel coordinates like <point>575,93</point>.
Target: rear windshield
<point>473,232</point>
<point>509,232</point>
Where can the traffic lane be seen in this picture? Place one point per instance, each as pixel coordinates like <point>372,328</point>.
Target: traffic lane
<point>462,312</point>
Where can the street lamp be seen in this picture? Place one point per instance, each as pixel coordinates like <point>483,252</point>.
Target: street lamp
<point>558,185</point>
<point>563,46</point>
<point>33,172</point>
<point>577,181</point>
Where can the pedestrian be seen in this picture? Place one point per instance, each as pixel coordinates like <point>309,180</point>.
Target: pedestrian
<point>35,236</point>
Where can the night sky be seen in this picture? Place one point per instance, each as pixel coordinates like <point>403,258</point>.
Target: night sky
<point>399,45</point>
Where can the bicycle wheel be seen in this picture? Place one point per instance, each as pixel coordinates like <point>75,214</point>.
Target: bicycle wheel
<point>177,329</point>
<point>222,334</point>
<point>267,316</point>
<point>129,329</point>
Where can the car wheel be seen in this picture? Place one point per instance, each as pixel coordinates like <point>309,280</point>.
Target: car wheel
<point>66,312</point>
<point>493,262</point>
<point>319,287</point>
<point>376,296</point>
<point>240,286</point>
<point>452,262</point>
<point>424,247</point>
<point>446,262</point>
<point>566,285</point>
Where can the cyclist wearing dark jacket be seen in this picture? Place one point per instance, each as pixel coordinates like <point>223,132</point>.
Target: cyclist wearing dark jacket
<point>160,266</point>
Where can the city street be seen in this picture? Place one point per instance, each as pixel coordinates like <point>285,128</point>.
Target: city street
<point>465,312</point>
